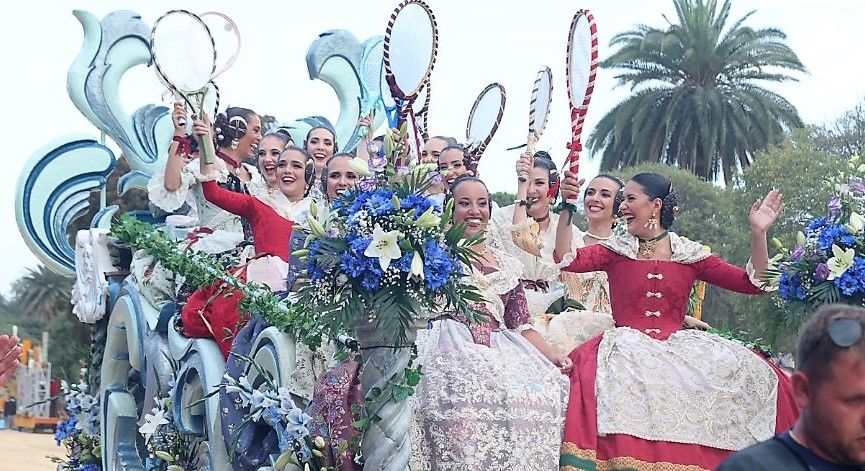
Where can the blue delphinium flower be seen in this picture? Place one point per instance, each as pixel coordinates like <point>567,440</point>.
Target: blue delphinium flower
<point>403,263</point>
<point>853,280</point>
<point>66,428</point>
<point>380,203</point>
<point>419,203</point>
<point>790,286</point>
<point>89,467</point>
<point>437,265</point>
<point>835,234</point>
<point>815,225</point>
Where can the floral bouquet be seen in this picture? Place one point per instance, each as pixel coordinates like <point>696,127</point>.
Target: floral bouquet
<point>79,434</point>
<point>168,448</point>
<point>827,265</point>
<point>275,407</point>
<point>385,252</point>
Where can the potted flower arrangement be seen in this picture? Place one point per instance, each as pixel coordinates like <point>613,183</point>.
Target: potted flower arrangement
<point>79,434</point>
<point>827,264</point>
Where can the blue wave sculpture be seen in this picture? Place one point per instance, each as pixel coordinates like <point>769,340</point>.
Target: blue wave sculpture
<point>53,189</point>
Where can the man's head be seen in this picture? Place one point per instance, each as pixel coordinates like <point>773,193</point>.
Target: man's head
<point>829,383</point>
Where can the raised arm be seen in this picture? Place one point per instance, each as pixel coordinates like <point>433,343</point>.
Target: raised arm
<point>569,189</point>
<point>177,157</point>
<point>236,203</point>
<point>524,167</point>
<point>764,212</point>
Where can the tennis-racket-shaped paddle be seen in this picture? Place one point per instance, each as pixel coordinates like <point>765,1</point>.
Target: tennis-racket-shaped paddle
<point>410,48</point>
<point>539,110</point>
<point>420,108</point>
<point>580,70</point>
<point>184,54</point>
<point>226,38</point>
<point>484,119</point>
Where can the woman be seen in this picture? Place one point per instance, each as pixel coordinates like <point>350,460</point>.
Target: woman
<point>321,143</point>
<point>634,389</point>
<point>492,394</point>
<point>339,176</point>
<point>269,149</point>
<point>527,230</point>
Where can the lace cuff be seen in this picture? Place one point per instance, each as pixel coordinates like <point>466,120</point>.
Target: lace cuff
<point>165,200</point>
<point>567,260</point>
<point>752,276</point>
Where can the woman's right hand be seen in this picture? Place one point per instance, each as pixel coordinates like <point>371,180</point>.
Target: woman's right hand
<point>570,187</point>
<point>178,118</point>
<point>202,127</point>
<point>524,164</point>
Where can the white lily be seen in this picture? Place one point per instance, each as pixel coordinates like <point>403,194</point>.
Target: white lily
<point>384,246</point>
<point>152,422</point>
<point>857,222</point>
<point>428,219</point>
<point>839,264</point>
<point>417,265</point>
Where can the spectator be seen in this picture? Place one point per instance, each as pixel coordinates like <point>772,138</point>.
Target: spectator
<point>829,387</point>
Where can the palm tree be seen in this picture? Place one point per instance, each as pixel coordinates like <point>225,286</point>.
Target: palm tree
<point>42,294</point>
<point>696,103</point>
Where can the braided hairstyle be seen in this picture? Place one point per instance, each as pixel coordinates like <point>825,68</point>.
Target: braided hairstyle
<point>231,125</point>
<point>660,187</point>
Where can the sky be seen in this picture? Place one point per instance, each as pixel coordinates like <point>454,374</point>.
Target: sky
<point>480,42</point>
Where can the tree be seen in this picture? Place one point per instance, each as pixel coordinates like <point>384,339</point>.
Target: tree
<point>845,137</point>
<point>696,102</point>
<point>42,294</point>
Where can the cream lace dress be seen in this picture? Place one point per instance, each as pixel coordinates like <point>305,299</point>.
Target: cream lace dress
<point>488,399</point>
<point>534,248</point>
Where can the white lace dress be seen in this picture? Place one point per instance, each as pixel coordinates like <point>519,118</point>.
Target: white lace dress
<point>488,399</point>
<point>545,283</point>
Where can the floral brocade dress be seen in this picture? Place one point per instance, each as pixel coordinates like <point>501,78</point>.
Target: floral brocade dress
<point>488,399</point>
<point>545,283</point>
<point>647,395</point>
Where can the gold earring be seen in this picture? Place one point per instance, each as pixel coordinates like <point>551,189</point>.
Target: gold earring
<point>652,223</point>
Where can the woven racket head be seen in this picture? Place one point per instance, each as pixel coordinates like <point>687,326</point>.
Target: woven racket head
<point>410,48</point>
<point>183,50</point>
<point>226,38</point>
<point>484,118</point>
<point>542,98</point>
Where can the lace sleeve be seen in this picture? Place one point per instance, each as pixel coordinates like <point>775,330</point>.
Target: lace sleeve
<point>170,201</point>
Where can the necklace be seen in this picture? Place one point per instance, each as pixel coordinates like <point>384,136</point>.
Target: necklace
<point>228,161</point>
<point>542,218</point>
<point>597,237</point>
<point>647,247</point>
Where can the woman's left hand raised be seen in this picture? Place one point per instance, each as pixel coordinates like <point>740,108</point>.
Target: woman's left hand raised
<point>765,211</point>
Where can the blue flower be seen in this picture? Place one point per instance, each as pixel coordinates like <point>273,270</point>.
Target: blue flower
<point>403,263</point>
<point>380,203</point>
<point>66,428</point>
<point>437,266</point>
<point>89,467</point>
<point>419,203</point>
<point>853,280</point>
<point>835,234</point>
<point>815,225</point>
<point>790,287</point>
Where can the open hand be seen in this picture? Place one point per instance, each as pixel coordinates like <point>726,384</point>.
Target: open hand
<point>9,353</point>
<point>765,211</point>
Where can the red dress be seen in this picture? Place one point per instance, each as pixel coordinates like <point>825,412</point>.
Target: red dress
<point>646,395</point>
<point>213,311</point>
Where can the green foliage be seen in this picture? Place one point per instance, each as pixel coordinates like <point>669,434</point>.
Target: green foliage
<point>844,137</point>
<point>503,198</point>
<point>695,102</point>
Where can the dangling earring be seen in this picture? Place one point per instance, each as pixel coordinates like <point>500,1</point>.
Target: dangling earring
<point>234,143</point>
<point>652,223</point>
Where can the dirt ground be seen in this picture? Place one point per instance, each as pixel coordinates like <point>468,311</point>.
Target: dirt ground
<point>25,450</point>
